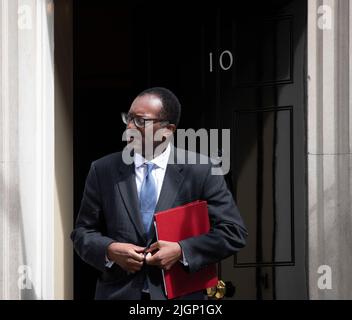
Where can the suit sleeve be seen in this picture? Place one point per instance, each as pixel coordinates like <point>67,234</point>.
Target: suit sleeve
<point>88,239</point>
<point>227,232</point>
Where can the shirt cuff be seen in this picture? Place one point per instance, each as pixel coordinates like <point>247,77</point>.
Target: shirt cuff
<point>183,260</point>
<point>108,263</point>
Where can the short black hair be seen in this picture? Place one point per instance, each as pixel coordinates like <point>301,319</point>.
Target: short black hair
<point>171,107</point>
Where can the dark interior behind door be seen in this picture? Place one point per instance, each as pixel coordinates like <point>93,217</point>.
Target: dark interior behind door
<point>239,66</point>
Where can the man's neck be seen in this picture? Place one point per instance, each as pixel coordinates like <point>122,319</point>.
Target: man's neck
<point>156,152</point>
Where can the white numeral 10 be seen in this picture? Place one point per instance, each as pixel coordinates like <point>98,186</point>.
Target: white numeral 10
<point>222,66</point>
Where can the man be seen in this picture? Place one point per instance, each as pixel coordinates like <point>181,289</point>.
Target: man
<point>114,231</point>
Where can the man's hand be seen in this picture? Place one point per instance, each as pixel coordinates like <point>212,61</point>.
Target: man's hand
<point>167,254</point>
<point>127,255</point>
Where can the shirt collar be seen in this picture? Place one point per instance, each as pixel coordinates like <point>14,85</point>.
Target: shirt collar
<point>160,161</point>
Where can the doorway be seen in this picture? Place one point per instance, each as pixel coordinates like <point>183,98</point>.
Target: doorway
<point>241,67</point>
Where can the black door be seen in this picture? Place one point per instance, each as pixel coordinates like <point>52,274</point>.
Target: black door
<point>240,67</point>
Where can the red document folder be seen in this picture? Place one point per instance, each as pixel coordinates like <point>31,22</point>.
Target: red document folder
<point>178,224</point>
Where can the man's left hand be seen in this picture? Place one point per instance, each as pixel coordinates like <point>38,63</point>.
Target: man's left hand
<point>167,253</point>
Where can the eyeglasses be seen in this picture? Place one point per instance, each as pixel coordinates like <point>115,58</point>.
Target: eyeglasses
<point>138,121</point>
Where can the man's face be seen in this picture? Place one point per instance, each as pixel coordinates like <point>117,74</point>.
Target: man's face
<point>148,107</point>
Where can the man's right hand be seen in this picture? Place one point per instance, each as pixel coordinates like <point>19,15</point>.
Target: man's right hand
<point>127,255</point>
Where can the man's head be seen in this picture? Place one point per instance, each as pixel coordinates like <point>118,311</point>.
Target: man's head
<point>154,109</point>
<point>170,106</point>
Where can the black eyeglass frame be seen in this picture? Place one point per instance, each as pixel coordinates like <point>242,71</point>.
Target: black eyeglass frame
<point>126,118</point>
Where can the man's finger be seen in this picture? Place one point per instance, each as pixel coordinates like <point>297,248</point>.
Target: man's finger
<point>152,260</point>
<point>137,256</point>
<point>152,251</point>
<point>133,265</point>
<point>154,246</point>
<point>147,257</point>
<point>139,249</point>
<point>135,262</point>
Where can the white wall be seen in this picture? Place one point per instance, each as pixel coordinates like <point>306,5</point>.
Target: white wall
<point>27,150</point>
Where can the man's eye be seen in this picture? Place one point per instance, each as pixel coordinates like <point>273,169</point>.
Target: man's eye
<point>139,121</point>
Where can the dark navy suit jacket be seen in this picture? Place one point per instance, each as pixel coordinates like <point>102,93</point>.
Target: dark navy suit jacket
<point>110,212</point>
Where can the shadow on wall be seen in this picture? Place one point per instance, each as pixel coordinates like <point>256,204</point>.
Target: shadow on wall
<point>63,147</point>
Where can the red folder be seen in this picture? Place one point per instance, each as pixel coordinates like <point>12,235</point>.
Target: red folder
<point>178,224</point>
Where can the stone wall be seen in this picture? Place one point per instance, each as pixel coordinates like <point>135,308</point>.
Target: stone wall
<point>329,148</point>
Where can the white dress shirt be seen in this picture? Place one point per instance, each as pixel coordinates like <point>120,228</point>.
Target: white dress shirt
<point>158,171</point>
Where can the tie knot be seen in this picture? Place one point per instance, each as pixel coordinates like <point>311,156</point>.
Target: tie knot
<point>150,167</point>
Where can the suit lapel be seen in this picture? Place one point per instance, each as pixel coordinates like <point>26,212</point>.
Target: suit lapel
<point>128,190</point>
<point>172,182</point>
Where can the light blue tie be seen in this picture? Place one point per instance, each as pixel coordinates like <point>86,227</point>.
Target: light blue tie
<point>148,198</point>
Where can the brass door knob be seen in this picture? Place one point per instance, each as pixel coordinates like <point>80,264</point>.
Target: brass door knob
<point>217,292</point>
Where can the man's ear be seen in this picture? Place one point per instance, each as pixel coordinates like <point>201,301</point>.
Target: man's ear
<point>171,127</point>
